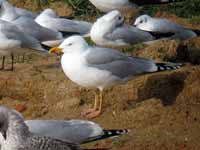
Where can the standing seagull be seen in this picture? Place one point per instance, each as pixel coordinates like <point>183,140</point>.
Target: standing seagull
<point>126,5</point>
<point>28,25</point>
<point>96,67</point>
<point>49,19</point>
<point>160,26</point>
<point>18,137</point>
<point>13,40</point>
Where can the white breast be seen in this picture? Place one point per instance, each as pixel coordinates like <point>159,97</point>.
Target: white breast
<point>77,70</point>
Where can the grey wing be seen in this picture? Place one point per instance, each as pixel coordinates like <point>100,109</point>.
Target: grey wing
<point>47,143</point>
<point>30,27</point>
<point>73,130</point>
<point>24,12</point>
<point>13,32</point>
<point>10,31</point>
<point>130,35</point>
<point>163,26</point>
<point>70,25</point>
<point>119,64</point>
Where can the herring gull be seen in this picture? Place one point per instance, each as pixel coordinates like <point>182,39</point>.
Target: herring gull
<point>100,68</point>
<point>110,30</point>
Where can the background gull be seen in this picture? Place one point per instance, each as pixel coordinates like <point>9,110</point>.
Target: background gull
<point>29,26</point>
<point>17,136</point>
<point>110,30</point>
<point>13,40</point>
<point>126,5</point>
<point>78,131</point>
<point>49,19</point>
<point>20,11</point>
<point>160,26</point>
<point>96,67</point>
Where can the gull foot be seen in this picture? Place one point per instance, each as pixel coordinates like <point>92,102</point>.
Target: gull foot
<point>87,112</point>
<point>93,114</point>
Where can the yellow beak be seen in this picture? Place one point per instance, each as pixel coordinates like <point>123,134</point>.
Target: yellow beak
<point>56,50</point>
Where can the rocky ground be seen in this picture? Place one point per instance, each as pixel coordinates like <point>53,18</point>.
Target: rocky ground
<point>161,109</point>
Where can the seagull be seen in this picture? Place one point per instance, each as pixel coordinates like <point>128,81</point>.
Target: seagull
<point>126,5</point>
<point>28,25</point>
<point>110,30</point>
<point>161,26</point>
<point>77,131</point>
<point>49,19</point>
<point>20,11</point>
<point>100,68</point>
<point>16,135</point>
<point>13,40</point>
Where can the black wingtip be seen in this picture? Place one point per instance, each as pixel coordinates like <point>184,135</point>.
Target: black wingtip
<point>197,32</point>
<point>67,34</point>
<point>168,66</point>
<point>46,47</point>
<point>109,134</point>
<point>158,35</point>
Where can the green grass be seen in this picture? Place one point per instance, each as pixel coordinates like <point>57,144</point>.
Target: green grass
<point>186,9</point>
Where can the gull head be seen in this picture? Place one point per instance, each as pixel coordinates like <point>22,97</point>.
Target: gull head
<point>49,12</point>
<point>73,44</point>
<point>141,21</point>
<point>106,25</point>
<point>4,114</point>
<point>113,18</point>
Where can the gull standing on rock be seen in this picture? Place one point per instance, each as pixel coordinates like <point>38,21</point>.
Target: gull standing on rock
<point>18,137</point>
<point>49,19</point>
<point>97,67</point>
<point>110,30</point>
<point>161,26</point>
<point>126,5</point>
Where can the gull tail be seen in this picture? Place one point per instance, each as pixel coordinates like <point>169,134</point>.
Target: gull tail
<point>167,66</point>
<point>108,134</point>
<point>197,32</point>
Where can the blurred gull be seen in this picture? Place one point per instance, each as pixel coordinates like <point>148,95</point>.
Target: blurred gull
<point>78,131</point>
<point>29,26</point>
<point>5,6</point>
<point>110,30</point>
<point>13,40</point>
<point>126,5</point>
<point>160,26</point>
<point>18,137</point>
<point>49,19</point>
<point>96,67</point>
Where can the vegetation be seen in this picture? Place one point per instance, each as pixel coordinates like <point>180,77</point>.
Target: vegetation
<point>187,9</point>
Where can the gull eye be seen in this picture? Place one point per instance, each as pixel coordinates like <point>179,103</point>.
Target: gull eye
<point>1,125</point>
<point>119,18</point>
<point>70,44</point>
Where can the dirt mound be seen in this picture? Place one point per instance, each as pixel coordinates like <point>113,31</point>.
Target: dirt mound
<point>161,109</point>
